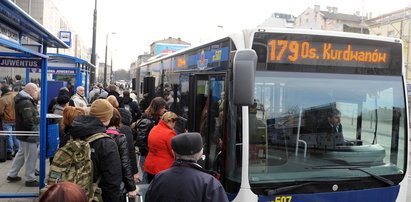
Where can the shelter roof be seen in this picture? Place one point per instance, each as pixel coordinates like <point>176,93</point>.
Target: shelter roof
<point>16,24</point>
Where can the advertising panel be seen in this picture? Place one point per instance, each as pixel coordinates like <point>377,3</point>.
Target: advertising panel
<point>169,48</point>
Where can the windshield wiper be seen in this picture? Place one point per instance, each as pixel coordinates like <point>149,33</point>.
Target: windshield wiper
<point>380,178</point>
<point>359,168</point>
<point>291,187</point>
<point>287,188</point>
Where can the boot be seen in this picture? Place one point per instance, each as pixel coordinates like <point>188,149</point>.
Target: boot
<point>9,156</point>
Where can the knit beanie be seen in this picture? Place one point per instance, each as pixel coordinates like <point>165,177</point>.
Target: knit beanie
<point>101,109</point>
<point>125,116</point>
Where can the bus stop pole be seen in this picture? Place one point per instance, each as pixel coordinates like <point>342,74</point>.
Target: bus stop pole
<point>78,78</point>
<point>43,120</point>
<point>87,84</point>
<point>27,75</point>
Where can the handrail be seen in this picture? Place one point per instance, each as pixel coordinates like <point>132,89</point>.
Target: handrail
<point>305,147</point>
<point>298,132</point>
<point>20,133</point>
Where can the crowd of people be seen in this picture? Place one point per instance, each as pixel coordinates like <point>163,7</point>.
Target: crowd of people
<point>168,161</point>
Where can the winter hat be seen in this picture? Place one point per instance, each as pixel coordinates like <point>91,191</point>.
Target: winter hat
<point>187,143</point>
<point>125,116</point>
<point>101,109</point>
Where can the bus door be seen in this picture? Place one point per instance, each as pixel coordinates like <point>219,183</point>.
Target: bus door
<point>208,107</point>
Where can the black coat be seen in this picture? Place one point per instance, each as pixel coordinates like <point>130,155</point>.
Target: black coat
<point>27,116</point>
<point>184,183</point>
<point>122,145</point>
<point>51,105</point>
<point>133,107</point>
<point>142,132</point>
<point>105,156</point>
<point>126,130</point>
<point>64,136</point>
<point>144,103</point>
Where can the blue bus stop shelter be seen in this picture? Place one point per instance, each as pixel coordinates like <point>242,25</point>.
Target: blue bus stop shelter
<point>65,65</point>
<point>23,44</point>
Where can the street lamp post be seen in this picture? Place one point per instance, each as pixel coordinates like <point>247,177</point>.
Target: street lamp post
<point>93,49</point>
<point>111,68</point>
<point>105,61</point>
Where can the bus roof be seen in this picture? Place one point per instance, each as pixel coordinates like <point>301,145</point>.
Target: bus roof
<point>188,49</point>
<point>244,39</point>
<point>329,33</point>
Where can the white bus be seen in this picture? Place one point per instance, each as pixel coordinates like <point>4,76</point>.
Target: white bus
<point>265,99</point>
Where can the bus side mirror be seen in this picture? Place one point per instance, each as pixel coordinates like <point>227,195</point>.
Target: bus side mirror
<point>244,67</point>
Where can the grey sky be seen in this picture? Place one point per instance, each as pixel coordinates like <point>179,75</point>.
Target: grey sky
<point>138,23</point>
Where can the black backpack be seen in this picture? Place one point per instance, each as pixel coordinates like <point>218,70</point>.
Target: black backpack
<point>134,127</point>
<point>140,134</point>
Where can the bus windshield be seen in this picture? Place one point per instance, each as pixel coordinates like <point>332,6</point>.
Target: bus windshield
<point>301,123</point>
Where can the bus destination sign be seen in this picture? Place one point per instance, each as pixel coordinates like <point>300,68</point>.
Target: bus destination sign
<point>327,54</point>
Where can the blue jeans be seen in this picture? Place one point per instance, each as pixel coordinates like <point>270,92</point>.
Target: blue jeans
<point>13,142</point>
<point>144,177</point>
